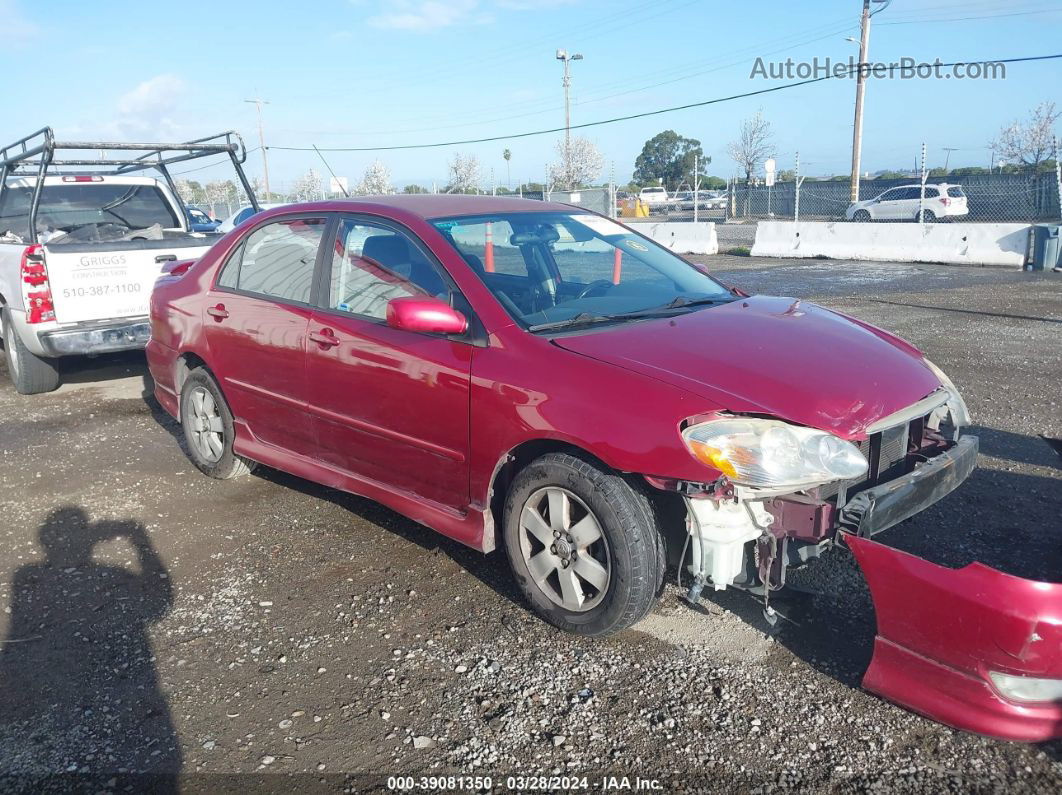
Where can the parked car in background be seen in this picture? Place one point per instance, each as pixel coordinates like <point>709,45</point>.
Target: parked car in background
<point>706,200</point>
<point>942,202</point>
<point>240,216</point>
<point>200,221</point>
<point>80,251</point>
<point>458,358</point>
<point>653,196</point>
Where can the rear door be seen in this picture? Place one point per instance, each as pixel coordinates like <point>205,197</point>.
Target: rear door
<point>387,404</point>
<point>256,318</point>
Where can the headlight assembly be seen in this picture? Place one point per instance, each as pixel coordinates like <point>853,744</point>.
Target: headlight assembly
<point>773,454</point>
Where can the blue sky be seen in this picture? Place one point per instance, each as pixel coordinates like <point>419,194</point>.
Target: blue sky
<point>371,72</point>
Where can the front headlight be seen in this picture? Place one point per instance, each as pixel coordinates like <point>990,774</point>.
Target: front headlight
<point>772,454</point>
<point>960,415</point>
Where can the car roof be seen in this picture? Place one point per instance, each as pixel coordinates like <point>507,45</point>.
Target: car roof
<point>428,206</point>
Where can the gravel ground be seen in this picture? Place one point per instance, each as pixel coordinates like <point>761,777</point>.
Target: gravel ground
<point>157,621</point>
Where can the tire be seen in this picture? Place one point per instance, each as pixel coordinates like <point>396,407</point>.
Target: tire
<point>862,217</point>
<point>628,547</point>
<point>31,374</point>
<point>208,428</point>
<point>928,217</point>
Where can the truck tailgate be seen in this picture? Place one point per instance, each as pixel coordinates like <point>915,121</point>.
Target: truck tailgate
<point>110,283</point>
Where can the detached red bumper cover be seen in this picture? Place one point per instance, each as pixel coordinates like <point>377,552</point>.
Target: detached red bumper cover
<point>940,631</point>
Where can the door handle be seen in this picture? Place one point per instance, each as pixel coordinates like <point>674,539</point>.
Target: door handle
<point>218,312</point>
<point>166,258</point>
<point>324,337</point>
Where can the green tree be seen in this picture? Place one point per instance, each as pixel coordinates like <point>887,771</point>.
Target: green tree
<point>713,183</point>
<point>667,158</point>
<point>414,189</point>
<point>969,171</point>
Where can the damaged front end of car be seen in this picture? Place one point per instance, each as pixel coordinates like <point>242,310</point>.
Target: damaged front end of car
<point>973,648</point>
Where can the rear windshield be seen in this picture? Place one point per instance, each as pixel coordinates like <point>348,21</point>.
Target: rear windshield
<point>955,192</point>
<point>99,210</point>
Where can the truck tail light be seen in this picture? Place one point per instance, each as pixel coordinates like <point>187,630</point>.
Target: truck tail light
<point>36,291</point>
<point>83,179</point>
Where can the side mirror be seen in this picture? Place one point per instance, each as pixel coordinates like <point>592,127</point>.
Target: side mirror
<point>426,315</point>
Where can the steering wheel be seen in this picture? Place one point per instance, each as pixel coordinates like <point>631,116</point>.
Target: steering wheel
<point>603,284</point>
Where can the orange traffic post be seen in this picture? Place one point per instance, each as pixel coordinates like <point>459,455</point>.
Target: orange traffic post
<point>617,265</point>
<point>488,250</point>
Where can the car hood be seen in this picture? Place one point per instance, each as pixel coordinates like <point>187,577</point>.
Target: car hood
<point>778,356</point>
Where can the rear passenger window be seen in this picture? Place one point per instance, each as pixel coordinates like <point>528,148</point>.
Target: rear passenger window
<point>277,260</point>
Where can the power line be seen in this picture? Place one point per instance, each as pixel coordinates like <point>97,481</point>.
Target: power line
<point>658,112</point>
<point>930,20</point>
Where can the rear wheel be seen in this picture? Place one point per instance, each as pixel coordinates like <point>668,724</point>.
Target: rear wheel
<point>209,429</point>
<point>583,544</point>
<point>861,216</point>
<point>31,374</point>
<point>928,217</point>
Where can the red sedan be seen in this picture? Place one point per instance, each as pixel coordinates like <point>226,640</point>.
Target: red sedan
<point>536,376</point>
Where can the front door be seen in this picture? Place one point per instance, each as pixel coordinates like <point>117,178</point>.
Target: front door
<point>388,405</point>
<point>256,321</point>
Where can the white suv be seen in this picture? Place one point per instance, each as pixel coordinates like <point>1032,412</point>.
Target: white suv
<point>651,196</point>
<point>941,202</point>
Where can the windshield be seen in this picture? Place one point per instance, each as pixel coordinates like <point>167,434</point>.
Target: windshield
<point>557,269</point>
<point>104,209</point>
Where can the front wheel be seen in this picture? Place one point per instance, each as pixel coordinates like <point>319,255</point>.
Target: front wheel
<point>209,430</point>
<point>583,544</point>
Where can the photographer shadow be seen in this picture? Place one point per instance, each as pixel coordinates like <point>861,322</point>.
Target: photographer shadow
<point>79,693</point>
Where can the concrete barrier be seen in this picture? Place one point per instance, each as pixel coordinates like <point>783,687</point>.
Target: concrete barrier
<point>684,237</point>
<point>950,243</point>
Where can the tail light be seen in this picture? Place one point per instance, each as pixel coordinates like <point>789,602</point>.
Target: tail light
<point>946,201</point>
<point>83,179</point>
<point>36,291</point>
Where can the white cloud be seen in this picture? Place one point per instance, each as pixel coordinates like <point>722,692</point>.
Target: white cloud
<point>150,109</point>
<point>15,29</point>
<point>425,15</point>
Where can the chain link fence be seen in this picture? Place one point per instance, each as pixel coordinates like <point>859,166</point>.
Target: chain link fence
<point>997,198</point>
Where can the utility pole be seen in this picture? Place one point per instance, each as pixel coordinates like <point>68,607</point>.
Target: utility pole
<point>947,158</point>
<point>258,103</point>
<point>861,90</point>
<point>562,55</point>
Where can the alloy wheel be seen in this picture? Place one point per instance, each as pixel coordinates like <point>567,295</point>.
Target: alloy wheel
<point>564,548</point>
<point>207,431</point>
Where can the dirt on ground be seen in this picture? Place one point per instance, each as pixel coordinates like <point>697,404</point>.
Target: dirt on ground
<point>155,621</point>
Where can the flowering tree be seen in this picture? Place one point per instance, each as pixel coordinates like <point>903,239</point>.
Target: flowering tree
<point>464,174</point>
<point>1032,143</point>
<point>307,187</point>
<point>377,180</point>
<point>580,165</point>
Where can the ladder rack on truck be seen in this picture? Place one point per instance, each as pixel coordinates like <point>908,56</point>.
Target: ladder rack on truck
<point>35,154</point>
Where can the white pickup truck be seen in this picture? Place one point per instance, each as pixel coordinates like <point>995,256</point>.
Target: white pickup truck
<point>77,269</point>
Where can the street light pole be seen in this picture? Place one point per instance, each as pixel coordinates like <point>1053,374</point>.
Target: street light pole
<point>562,55</point>
<point>258,103</point>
